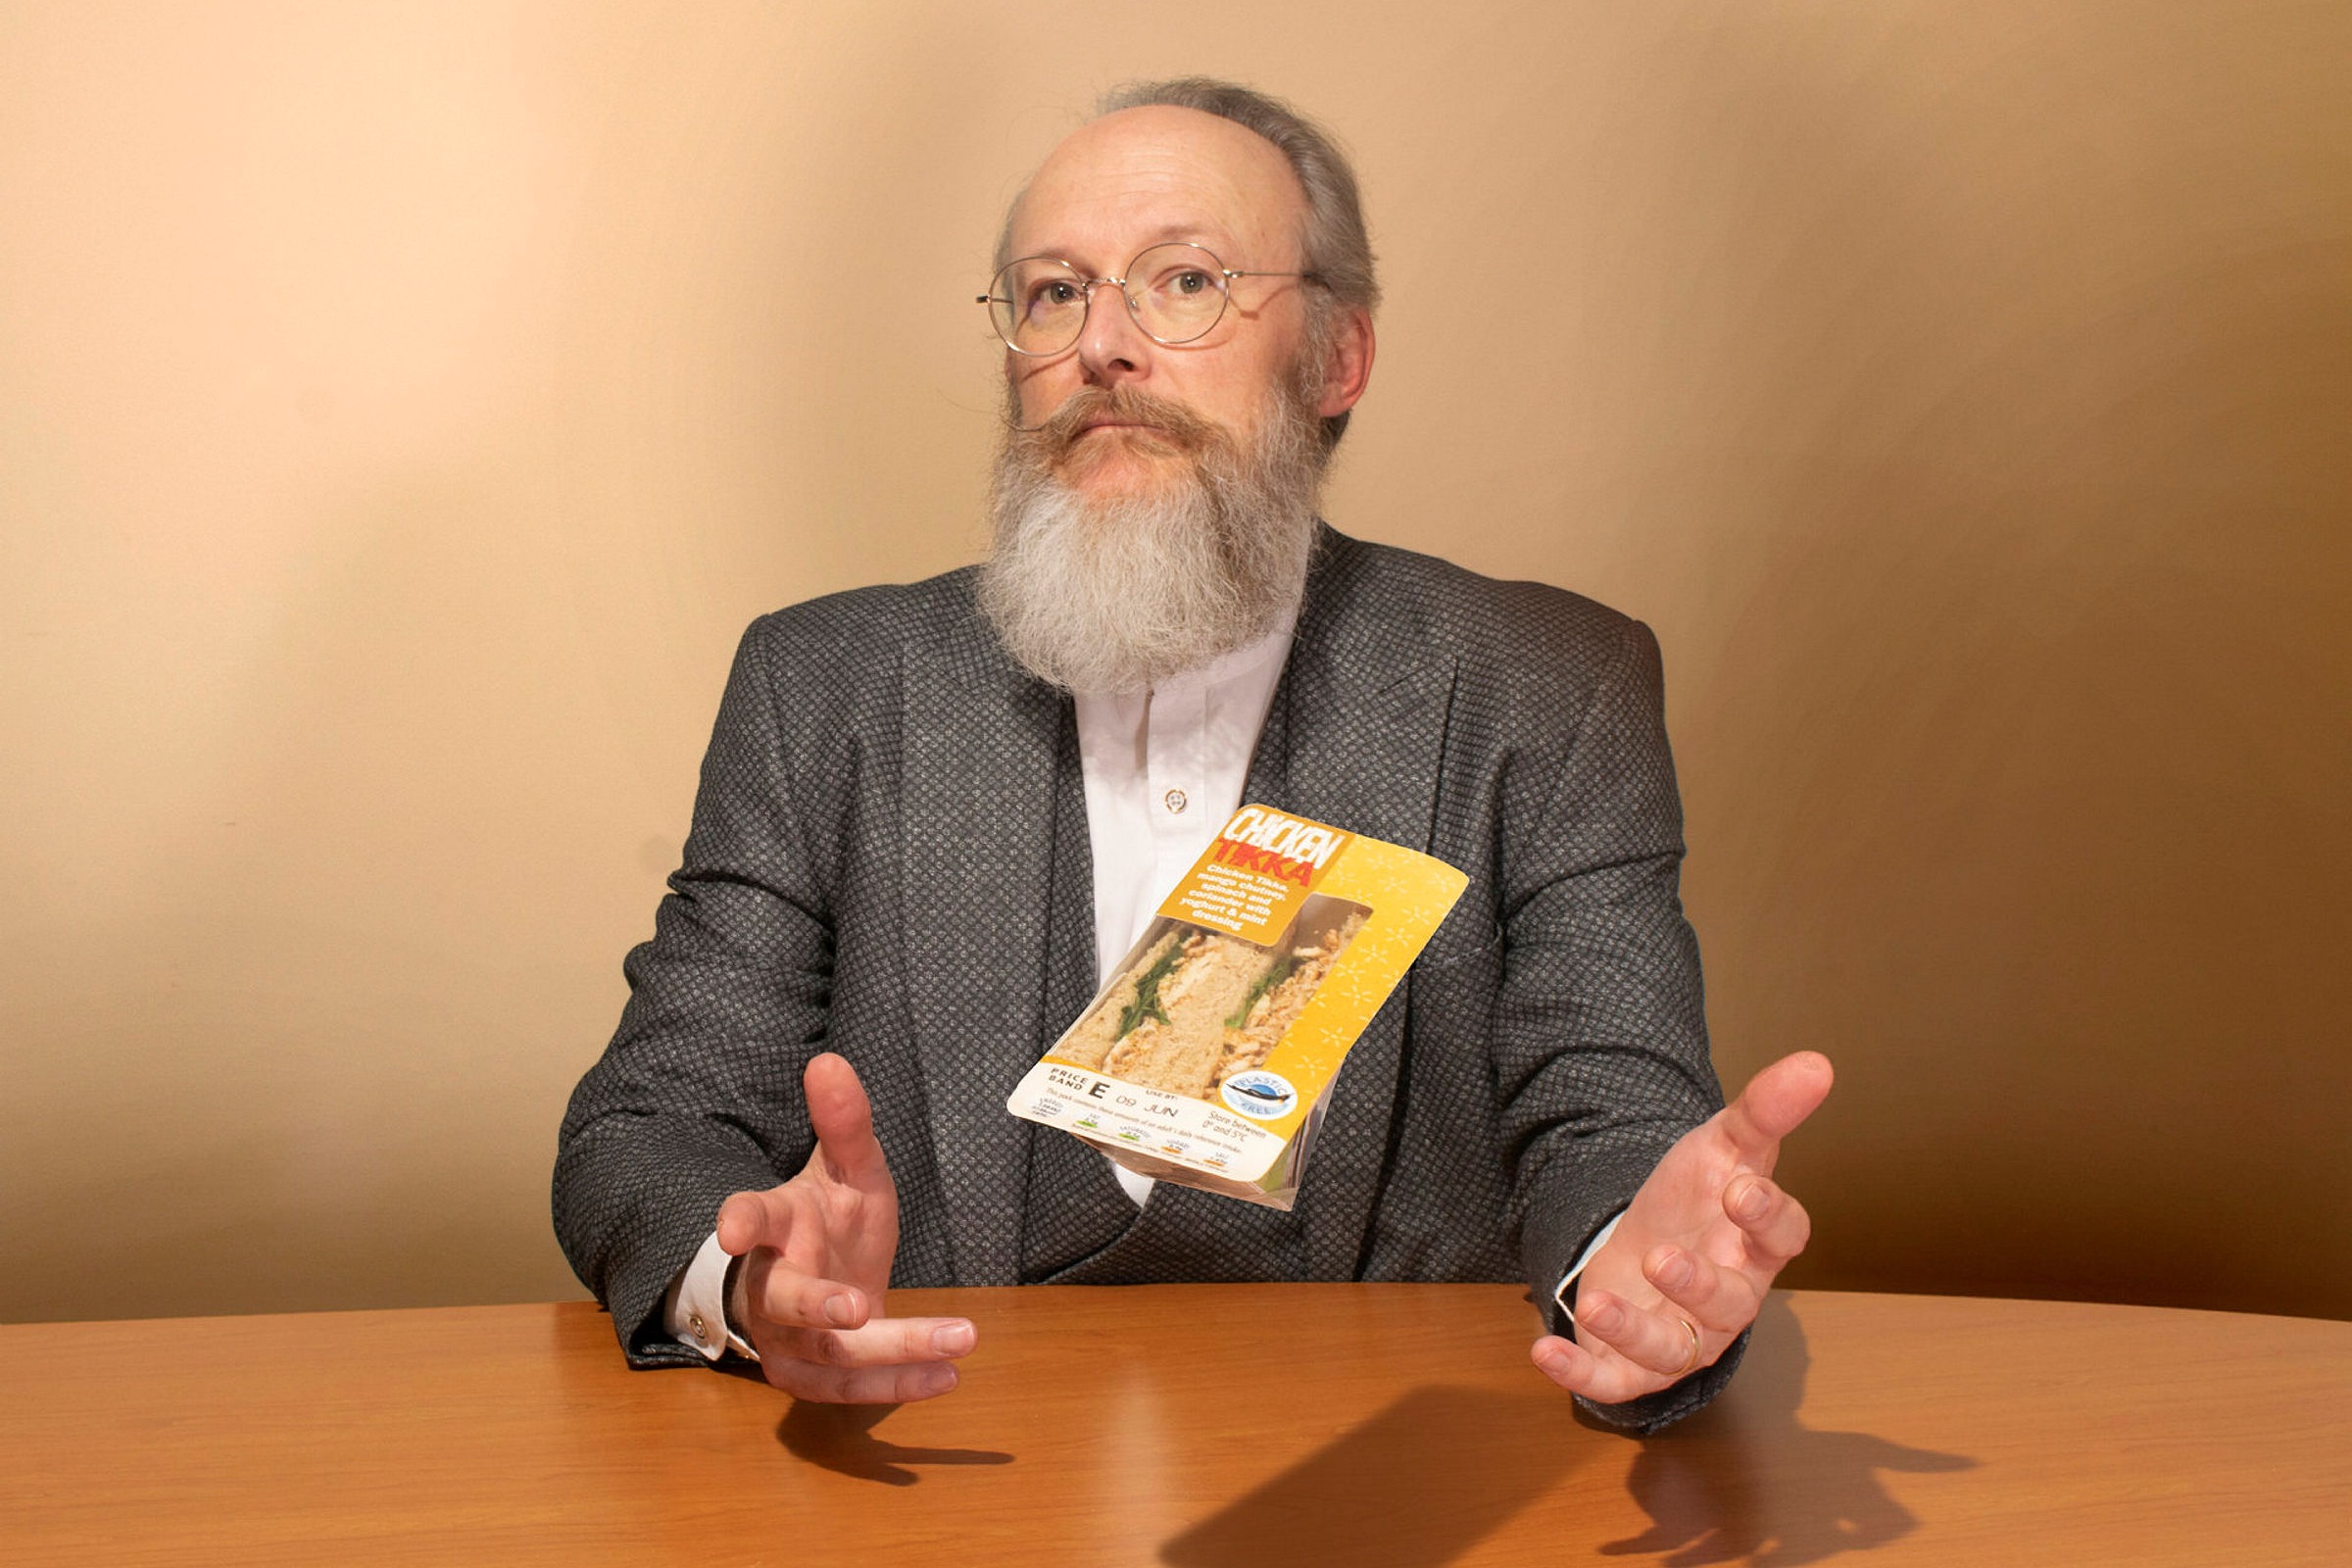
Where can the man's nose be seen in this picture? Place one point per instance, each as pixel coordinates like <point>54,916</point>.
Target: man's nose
<point>1110,345</point>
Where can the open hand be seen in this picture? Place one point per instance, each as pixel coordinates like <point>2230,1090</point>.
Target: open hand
<point>1689,1262</point>
<point>817,1252</point>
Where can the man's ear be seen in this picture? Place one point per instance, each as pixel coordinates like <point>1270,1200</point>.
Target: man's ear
<point>1347,365</point>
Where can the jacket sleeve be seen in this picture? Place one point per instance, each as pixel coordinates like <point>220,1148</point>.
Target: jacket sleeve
<point>1599,1041</point>
<point>698,1093</point>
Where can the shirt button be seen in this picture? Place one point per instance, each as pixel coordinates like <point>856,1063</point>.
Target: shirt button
<point>694,1321</point>
<point>1175,801</point>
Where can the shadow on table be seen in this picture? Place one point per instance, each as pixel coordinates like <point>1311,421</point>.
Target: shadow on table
<point>1744,1482</point>
<point>1414,1487</point>
<point>840,1438</point>
<point>1428,1478</point>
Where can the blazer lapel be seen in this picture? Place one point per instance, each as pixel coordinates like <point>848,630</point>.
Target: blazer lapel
<point>980,747</point>
<point>1362,712</point>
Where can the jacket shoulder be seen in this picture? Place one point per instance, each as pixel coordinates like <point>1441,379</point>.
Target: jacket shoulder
<point>1518,631</point>
<point>847,638</point>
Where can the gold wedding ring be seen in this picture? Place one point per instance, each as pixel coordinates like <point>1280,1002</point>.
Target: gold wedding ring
<point>1691,1360</point>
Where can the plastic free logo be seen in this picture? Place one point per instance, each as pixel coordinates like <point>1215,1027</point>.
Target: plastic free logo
<point>1260,1093</point>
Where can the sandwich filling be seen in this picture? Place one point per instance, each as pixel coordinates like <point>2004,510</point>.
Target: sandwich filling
<point>1197,1006</point>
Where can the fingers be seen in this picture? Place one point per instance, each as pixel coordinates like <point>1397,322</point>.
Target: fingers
<point>1774,1228</point>
<point>883,1341</point>
<point>774,1292</point>
<point>842,1119</point>
<point>754,1219</point>
<point>1611,1380</point>
<point>1776,1103</point>
<point>1775,1225</point>
<point>876,1385</point>
<point>1656,1341</point>
<point>818,1339</point>
<point>887,1360</point>
<point>1719,1300</point>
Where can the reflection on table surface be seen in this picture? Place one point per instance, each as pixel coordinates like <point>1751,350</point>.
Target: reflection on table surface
<point>1192,1426</point>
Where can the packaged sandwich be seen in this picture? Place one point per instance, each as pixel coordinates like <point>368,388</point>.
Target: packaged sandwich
<point>1208,1057</point>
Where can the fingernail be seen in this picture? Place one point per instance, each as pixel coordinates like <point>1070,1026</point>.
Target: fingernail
<point>939,1380</point>
<point>1750,1205</point>
<point>953,1339</point>
<point>1601,1316</point>
<point>840,1311</point>
<point>1675,1272</point>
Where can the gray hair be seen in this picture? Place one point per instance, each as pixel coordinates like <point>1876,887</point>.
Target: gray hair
<point>1331,240</point>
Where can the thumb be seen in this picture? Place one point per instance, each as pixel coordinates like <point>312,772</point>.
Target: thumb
<point>842,1119</point>
<point>1776,1103</point>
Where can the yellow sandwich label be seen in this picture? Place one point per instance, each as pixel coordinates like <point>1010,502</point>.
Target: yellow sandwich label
<point>1205,1058</point>
<point>1256,875</point>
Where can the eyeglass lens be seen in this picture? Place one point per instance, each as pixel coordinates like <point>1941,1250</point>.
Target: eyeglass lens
<point>1177,292</point>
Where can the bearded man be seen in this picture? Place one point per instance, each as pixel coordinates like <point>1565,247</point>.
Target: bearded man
<point>933,816</point>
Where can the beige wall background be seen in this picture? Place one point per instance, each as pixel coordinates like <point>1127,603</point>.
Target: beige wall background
<point>403,407</point>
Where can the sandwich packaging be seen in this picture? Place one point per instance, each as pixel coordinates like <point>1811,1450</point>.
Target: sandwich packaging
<point>1208,1057</point>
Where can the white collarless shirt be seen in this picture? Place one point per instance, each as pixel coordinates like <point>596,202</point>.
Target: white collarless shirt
<point>1165,769</point>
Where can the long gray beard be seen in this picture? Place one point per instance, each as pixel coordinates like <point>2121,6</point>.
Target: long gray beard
<point>1119,594</point>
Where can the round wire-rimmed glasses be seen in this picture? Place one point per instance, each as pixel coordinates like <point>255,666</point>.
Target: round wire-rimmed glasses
<point>1176,291</point>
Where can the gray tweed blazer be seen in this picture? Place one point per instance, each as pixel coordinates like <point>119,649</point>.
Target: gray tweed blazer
<point>867,874</point>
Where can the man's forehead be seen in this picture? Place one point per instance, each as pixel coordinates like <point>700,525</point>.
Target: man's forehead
<point>1160,173</point>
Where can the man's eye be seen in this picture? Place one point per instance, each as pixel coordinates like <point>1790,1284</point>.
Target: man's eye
<point>1192,280</point>
<point>1052,294</point>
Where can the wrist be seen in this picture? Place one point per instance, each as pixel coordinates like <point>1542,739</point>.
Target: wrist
<point>734,1307</point>
<point>1564,1294</point>
<point>731,1304</point>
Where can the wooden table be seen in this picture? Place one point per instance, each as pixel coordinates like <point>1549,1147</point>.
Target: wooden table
<point>1231,1426</point>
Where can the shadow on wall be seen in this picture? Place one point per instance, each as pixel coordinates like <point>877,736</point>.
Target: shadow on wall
<point>337,1031</point>
<point>2016,766</point>
<point>322,1051</point>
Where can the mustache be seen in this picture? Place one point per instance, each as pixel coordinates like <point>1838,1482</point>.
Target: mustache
<point>1053,436</point>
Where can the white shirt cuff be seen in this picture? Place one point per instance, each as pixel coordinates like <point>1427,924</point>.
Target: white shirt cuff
<point>1559,1292</point>
<point>694,1309</point>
